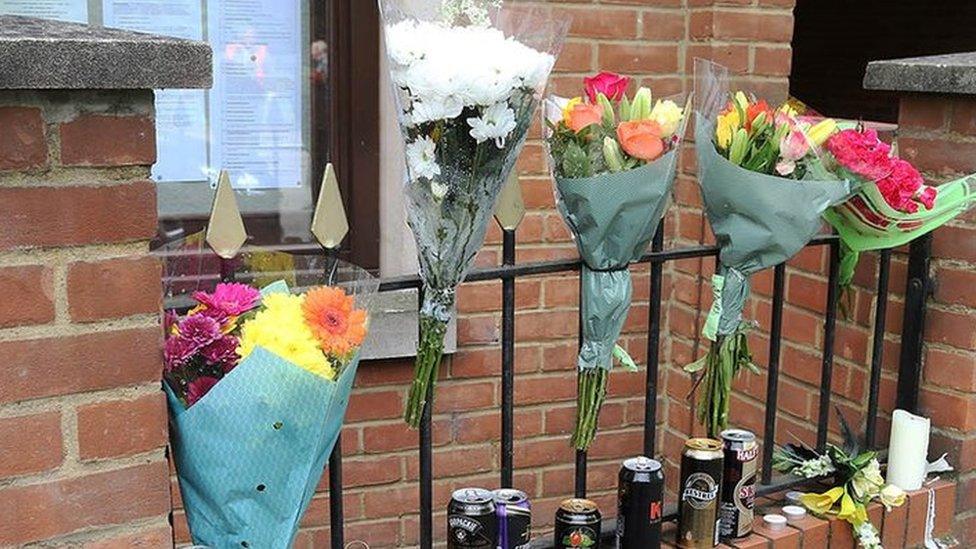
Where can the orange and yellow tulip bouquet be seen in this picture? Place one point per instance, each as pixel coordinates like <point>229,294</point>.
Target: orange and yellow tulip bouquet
<point>613,159</point>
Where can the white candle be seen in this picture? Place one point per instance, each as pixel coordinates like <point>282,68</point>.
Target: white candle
<point>908,450</point>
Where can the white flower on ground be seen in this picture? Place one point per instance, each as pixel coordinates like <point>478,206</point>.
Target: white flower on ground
<point>867,536</point>
<point>495,123</point>
<point>438,190</point>
<point>421,159</point>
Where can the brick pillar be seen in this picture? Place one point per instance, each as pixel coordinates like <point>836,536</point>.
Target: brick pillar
<point>83,424</point>
<point>937,132</point>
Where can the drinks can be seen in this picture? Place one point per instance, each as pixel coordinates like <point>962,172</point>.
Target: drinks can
<point>514,519</point>
<point>577,525</point>
<point>471,520</point>
<point>701,480</point>
<point>640,504</point>
<point>738,495</point>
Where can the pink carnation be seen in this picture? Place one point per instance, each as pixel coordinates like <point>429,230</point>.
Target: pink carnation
<point>176,352</point>
<point>229,299</point>
<point>927,197</point>
<point>199,387</point>
<point>861,152</point>
<point>199,330</point>
<point>900,186</point>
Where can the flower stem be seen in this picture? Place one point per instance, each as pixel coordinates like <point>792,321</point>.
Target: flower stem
<point>429,352</point>
<point>591,392</point>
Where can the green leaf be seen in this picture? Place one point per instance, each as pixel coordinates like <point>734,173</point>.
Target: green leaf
<point>696,366</point>
<point>624,108</point>
<point>608,118</point>
<point>624,359</point>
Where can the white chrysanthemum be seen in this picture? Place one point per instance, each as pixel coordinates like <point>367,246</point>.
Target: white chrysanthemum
<point>813,468</point>
<point>421,159</point>
<point>495,123</point>
<point>442,69</point>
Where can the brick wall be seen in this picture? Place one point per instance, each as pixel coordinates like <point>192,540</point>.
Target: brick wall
<point>938,134</point>
<point>82,417</point>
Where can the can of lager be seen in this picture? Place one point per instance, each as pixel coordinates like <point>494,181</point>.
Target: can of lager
<point>736,509</point>
<point>514,519</point>
<point>701,479</point>
<point>577,525</point>
<point>640,504</point>
<point>471,520</point>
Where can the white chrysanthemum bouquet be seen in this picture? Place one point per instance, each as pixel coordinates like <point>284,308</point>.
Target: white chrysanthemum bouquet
<point>468,76</point>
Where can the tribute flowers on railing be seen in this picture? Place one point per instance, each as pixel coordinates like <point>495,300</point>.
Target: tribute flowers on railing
<point>467,77</point>
<point>892,205</point>
<point>857,482</point>
<point>613,160</point>
<point>764,189</point>
<point>258,383</point>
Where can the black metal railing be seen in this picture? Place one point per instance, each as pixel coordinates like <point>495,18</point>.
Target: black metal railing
<point>917,289</point>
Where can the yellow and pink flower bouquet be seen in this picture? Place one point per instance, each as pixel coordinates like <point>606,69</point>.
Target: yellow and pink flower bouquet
<point>258,383</point>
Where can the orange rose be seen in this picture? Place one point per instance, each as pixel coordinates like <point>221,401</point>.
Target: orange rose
<point>641,139</point>
<point>582,115</point>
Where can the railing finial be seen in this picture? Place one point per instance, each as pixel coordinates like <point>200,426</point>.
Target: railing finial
<point>511,208</point>
<point>225,229</point>
<point>329,223</point>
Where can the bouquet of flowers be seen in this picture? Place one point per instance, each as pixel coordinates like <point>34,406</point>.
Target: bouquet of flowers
<point>258,383</point>
<point>467,77</point>
<point>857,480</point>
<point>613,159</point>
<point>893,205</point>
<point>764,189</point>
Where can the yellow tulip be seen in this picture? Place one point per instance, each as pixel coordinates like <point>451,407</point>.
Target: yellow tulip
<point>727,124</point>
<point>820,131</point>
<point>822,503</point>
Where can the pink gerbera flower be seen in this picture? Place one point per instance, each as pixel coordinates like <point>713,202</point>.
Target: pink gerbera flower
<point>199,387</point>
<point>230,299</point>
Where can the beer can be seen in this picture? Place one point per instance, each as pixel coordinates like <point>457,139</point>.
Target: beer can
<point>738,495</point>
<point>640,504</point>
<point>577,525</point>
<point>471,520</point>
<point>701,480</point>
<point>514,519</point>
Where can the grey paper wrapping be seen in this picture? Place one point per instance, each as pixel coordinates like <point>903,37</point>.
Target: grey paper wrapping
<point>613,218</point>
<point>759,221</point>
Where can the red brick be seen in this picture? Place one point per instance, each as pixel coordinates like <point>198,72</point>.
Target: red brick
<point>922,112</point>
<point>156,537</point>
<point>945,506</point>
<point>939,156</point>
<point>34,303</point>
<point>638,59</point>
<point>42,511</point>
<point>773,61</point>
<point>788,538</point>
<point>103,140</point>
<point>38,368</point>
<point>575,57</point>
<point>590,23</point>
<point>122,427</point>
<point>895,524</point>
<point>918,501</point>
<point>455,397</point>
<point>954,286</point>
<point>753,541</point>
<point>949,369</point>
<point>114,288</point>
<point>67,216</point>
<point>23,144</point>
<point>963,119</point>
<point>375,405</point>
<point>30,444</point>
<point>951,328</point>
<point>954,242</point>
<point>814,532</point>
<point>737,25</point>
<point>664,25</point>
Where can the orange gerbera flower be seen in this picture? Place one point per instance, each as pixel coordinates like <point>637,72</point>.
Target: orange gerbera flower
<point>331,315</point>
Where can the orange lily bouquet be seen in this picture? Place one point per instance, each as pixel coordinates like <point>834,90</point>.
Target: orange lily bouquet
<point>604,131</point>
<point>613,161</point>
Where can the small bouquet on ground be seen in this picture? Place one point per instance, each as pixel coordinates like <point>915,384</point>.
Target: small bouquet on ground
<point>857,482</point>
<point>613,159</point>
<point>893,205</point>
<point>764,190</point>
<point>467,76</point>
<point>258,383</point>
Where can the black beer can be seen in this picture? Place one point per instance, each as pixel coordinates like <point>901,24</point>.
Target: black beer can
<point>577,525</point>
<point>471,520</point>
<point>514,519</point>
<point>736,509</point>
<point>701,480</point>
<point>640,504</point>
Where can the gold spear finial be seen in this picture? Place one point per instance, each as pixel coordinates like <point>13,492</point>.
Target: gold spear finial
<point>225,230</point>
<point>329,223</point>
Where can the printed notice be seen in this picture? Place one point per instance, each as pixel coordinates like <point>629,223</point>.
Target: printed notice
<point>181,115</point>
<point>61,10</point>
<point>256,101</point>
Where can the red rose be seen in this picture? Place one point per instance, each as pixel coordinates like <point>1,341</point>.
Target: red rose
<point>612,85</point>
